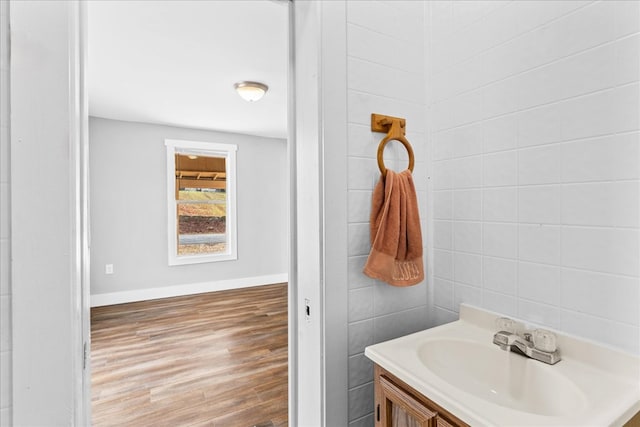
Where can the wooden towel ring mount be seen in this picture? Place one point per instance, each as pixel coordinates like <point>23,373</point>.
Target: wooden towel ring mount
<point>395,129</point>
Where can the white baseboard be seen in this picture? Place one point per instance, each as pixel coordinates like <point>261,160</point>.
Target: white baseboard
<point>122,297</point>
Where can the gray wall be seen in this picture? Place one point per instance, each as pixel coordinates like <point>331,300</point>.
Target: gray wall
<point>129,212</point>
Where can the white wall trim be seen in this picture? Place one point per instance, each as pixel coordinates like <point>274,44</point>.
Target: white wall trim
<point>122,297</point>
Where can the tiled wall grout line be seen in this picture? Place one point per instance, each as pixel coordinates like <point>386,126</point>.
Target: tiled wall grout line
<point>418,73</point>
<point>520,34</point>
<point>538,67</point>
<point>373,30</point>
<point>377,95</point>
<point>548,104</point>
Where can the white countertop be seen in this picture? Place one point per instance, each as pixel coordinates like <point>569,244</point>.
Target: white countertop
<point>605,382</point>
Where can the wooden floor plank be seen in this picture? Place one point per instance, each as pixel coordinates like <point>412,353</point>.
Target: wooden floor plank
<point>216,359</point>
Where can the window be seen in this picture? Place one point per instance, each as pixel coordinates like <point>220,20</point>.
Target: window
<point>201,197</point>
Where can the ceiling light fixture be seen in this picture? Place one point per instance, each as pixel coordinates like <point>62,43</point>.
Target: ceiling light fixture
<point>251,91</point>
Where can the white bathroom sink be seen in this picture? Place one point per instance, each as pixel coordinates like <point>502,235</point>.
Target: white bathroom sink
<point>501,377</point>
<point>459,368</point>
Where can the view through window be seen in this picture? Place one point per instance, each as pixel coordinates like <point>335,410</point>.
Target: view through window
<point>201,215</point>
<point>201,202</point>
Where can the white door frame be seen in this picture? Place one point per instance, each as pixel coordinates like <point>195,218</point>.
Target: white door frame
<point>73,403</point>
<point>49,274</point>
<point>321,219</point>
<point>80,128</point>
<point>292,291</point>
<point>28,87</point>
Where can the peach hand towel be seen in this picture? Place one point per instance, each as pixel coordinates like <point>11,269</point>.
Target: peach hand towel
<point>396,239</point>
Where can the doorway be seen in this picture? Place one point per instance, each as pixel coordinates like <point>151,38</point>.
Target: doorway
<point>126,143</point>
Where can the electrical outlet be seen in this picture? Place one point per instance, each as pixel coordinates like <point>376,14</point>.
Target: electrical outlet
<point>108,269</point>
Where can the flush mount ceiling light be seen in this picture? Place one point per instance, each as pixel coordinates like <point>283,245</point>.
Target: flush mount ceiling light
<point>251,91</point>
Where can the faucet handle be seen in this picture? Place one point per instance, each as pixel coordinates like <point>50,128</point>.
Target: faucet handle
<point>505,324</point>
<point>544,340</point>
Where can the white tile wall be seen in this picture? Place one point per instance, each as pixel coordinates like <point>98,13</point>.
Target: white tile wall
<point>361,401</point>
<point>607,158</point>
<point>539,165</point>
<point>467,268</point>
<point>620,305</point>
<point>611,204</point>
<point>466,294</point>
<point>466,140</point>
<point>467,205</point>
<point>360,370</point>
<point>5,233</point>
<point>534,115</point>
<point>385,75</point>
<point>366,421</point>
<point>443,234</point>
<point>500,169</point>
<point>443,264</point>
<point>500,303</point>
<point>539,282</point>
<point>499,134</point>
<point>500,275</point>
<point>443,293</point>
<point>500,204</point>
<point>607,250</point>
<point>539,243</point>
<point>467,172</point>
<point>540,204</point>
<point>467,237</point>
<point>500,240</point>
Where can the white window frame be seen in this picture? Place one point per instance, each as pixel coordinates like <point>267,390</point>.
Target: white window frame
<point>210,149</point>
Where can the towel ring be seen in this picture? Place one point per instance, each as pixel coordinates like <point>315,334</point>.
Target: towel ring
<point>395,132</point>
<point>403,140</point>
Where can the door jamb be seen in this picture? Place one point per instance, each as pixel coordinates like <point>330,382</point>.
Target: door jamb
<point>79,112</point>
<point>79,145</point>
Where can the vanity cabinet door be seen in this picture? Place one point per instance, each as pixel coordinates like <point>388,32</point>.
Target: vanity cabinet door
<point>399,409</point>
<point>399,405</point>
<point>441,422</point>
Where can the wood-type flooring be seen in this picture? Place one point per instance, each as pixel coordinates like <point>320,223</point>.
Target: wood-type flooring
<point>216,359</point>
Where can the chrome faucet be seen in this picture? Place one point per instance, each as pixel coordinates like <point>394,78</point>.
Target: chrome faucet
<point>538,344</point>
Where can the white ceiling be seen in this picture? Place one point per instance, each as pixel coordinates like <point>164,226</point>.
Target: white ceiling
<point>175,63</point>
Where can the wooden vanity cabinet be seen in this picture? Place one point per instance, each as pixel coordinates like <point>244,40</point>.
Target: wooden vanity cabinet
<point>399,405</point>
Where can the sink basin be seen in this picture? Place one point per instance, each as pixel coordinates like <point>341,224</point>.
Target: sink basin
<point>458,367</point>
<point>502,377</point>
